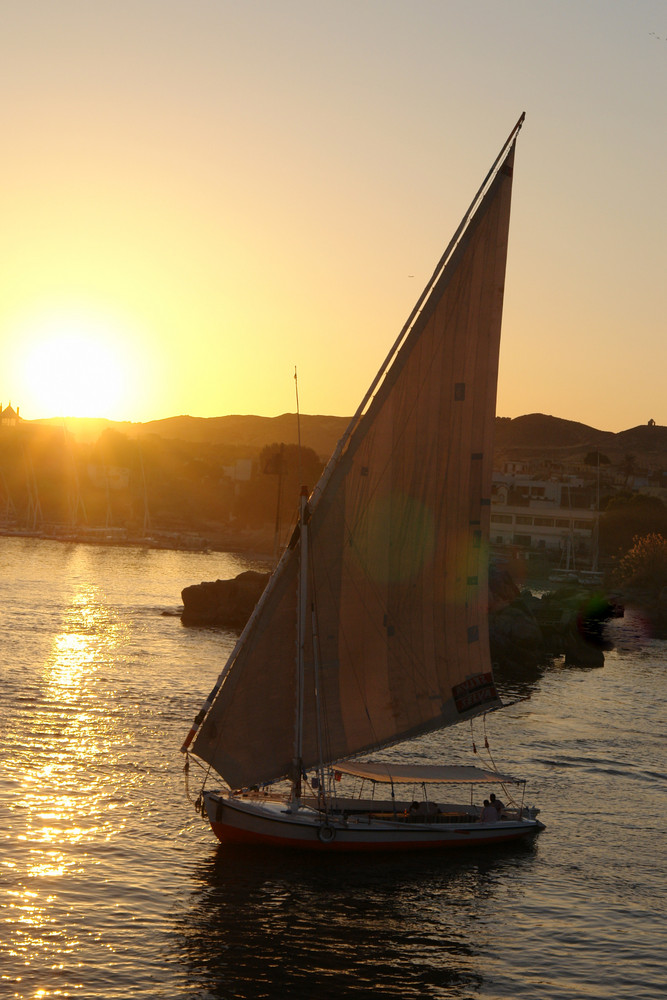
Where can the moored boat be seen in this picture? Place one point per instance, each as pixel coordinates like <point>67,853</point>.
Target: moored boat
<point>349,823</point>
<point>373,629</point>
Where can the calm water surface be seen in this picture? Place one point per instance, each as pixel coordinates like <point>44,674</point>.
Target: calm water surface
<point>113,887</point>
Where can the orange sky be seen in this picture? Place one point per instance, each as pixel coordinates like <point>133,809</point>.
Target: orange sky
<point>197,196</point>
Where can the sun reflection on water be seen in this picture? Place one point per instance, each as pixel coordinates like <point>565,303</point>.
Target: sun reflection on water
<point>89,633</point>
<point>63,810</point>
<point>118,889</point>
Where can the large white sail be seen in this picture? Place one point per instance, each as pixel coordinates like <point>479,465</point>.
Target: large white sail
<point>398,533</point>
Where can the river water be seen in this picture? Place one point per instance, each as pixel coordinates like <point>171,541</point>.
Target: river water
<point>113,887</point>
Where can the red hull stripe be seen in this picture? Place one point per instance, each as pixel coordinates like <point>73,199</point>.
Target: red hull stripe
<point>232,835</point>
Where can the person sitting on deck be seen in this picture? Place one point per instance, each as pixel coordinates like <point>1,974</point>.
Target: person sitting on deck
<point>497,805</point>
<point>419,809</point>
<point>489,813</point>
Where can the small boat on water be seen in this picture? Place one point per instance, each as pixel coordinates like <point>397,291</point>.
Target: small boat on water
<point>373,628</point>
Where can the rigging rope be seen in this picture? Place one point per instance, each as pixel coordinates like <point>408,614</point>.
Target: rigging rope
<point>198,803</point>
<point>506,790</point>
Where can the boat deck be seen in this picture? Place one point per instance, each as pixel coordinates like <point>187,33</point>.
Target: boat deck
<point>384,810</point>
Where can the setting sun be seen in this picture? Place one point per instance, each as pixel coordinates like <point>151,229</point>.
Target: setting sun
<point>76,363</point>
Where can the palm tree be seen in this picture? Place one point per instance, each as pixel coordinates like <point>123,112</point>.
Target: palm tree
<point>629,467</point>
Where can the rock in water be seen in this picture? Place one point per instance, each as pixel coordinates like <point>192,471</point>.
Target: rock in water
<point>223,603</point>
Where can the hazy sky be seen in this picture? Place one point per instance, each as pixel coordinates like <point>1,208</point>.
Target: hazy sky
<point>198,195</point>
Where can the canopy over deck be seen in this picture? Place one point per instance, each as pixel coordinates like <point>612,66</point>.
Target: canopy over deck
<point>422,773</point>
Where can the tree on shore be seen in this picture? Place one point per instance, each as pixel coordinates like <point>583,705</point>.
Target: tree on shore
<point>596,458</point>
<point>644,566</point>
<point>629,467</point>
<point>627,517</point>
<point>272,493</point>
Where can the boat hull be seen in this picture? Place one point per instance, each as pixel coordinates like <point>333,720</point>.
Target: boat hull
<point>271,823</point>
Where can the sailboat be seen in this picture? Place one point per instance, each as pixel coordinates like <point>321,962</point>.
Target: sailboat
<point>373,629</point>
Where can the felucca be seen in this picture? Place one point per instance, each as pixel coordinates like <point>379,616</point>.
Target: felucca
<point>373,628</point>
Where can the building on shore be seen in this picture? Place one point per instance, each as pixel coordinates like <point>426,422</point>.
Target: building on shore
<point>554,518</point>
<point>9,417</point>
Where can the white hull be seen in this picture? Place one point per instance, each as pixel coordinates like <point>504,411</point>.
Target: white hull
<point>271,823</point>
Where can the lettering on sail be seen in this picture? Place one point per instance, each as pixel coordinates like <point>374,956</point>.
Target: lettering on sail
<point>474,691</point>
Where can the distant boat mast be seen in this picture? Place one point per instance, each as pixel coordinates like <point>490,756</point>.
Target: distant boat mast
<point>298,421</point>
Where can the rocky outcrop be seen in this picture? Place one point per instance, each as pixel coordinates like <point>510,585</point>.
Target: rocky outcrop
<point>223,603</point>
<point>526,632</point>
<point>652,605</point>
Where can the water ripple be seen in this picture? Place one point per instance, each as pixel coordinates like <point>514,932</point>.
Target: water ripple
<point>113,887</point>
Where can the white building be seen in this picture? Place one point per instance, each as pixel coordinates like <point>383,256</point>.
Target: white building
<point>544,515</point>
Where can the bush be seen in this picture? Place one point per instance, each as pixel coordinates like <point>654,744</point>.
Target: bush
<point>645,564</point>
<point>627,518</point>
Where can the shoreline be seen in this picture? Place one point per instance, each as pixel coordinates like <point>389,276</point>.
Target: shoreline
<point>168,541</point>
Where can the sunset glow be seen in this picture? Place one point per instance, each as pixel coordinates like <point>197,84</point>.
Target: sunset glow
<point>75,364</point>
<point>234,189</point>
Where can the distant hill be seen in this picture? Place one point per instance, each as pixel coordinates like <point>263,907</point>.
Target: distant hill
<point>535,430</point>
<point>643,440</point>
<point>536,433</point>
<point>520,437</point>
<point>321,433</point>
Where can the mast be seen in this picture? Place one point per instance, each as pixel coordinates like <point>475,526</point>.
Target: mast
<point>596,523</point>
<point>147,517</point>
<point>318,696</point>
<point>297,763</point>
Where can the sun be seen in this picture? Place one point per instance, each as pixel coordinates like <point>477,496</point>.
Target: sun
<point>76,363</point>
